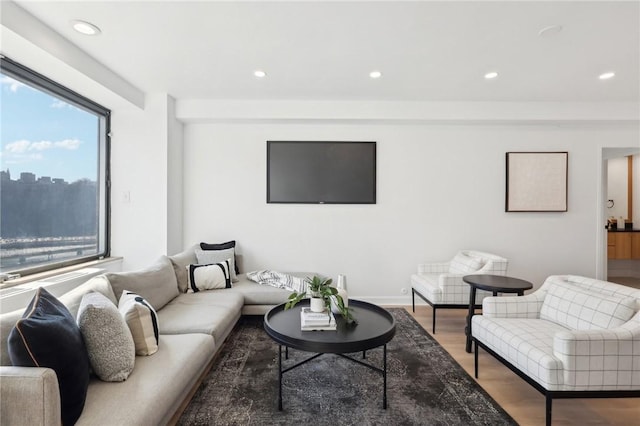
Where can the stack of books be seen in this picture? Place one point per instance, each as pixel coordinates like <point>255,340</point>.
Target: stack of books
<point>312,321</point>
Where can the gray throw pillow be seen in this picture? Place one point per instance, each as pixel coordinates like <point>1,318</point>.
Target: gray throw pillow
<point>107,338</point>
<point>180,262</point>
<point>207,257</point>
<point>157,284</point>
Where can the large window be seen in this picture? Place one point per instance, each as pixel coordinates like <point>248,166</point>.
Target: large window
<point>54,198</point>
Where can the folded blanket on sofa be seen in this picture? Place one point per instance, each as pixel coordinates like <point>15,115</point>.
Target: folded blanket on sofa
<point>279,280</point>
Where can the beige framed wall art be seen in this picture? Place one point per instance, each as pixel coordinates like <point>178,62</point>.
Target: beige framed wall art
<point>536,181</point>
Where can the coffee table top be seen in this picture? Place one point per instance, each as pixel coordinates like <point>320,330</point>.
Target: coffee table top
<point>498,283</point>
<point>376,326</point>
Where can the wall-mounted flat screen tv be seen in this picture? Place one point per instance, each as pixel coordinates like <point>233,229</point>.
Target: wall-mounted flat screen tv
<point>322,172</point>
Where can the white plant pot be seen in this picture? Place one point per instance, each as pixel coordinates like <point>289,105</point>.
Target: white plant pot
<point>334,305</point>
<point>317,304</point>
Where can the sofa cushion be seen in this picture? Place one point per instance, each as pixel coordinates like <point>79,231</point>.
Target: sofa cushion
<point>580,309</point>
<point>526,343</point>
<point>258,294</point>
<point>214,256</point>
<point>427,286</point>
<point>465,264</point>
<point>107,337</point>
<point>48,336</point>
<point>209,277</point>
<point>223,246</point>
<point>212,312</point>
<point>155,389</point>
<point>157,284</point>
<point>73,298</point>
<point>142,320</point>
<point>180,262</point>
<point>8,320</point>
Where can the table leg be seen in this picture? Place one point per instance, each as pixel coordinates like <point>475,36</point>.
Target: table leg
<point>364,354</point>
<point>472,305</point>
<point>384,377</point>
<point>280,377</point>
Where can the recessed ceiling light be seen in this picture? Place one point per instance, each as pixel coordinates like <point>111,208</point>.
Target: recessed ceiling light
<point>86,28</point>
<point>607,75</point>
<point>549,31</point>
<point>491,75</point>
<point>260,73</point>
<point>375,74</point>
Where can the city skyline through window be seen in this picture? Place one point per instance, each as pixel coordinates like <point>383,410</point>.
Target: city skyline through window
<point>53,169</point>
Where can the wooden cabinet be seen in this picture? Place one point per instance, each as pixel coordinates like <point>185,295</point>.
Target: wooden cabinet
<point>623,245</point>
<point>611,245</point>
<point>635,245</point>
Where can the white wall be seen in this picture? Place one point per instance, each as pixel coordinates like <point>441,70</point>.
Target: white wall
<point>441,188</point>
<point>139,168</point>
<point>440,175</point>
<point>174,179</point>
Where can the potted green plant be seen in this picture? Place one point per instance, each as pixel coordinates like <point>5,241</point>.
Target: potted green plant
<point>320,288</point>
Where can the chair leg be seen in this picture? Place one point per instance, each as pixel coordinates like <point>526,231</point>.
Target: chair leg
<point>548,409</point>
<point>434,320</point>
<point>475,360</point>
<point>413,300</point>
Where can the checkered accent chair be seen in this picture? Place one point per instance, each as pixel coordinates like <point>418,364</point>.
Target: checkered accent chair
<point>441,286</point>
<point>573,334</point>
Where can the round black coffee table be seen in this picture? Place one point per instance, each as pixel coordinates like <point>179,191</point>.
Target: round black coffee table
<point>375,328</point>
<point>495,284</point>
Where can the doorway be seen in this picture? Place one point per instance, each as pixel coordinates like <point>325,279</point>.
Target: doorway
<point>615,201</point>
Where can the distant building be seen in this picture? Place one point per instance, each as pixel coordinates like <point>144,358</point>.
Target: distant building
<point>59,181</point>
<point>27,177</point>
<point>4,176</point>
<point>44,179</point>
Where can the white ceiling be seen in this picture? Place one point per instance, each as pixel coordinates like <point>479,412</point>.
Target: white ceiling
<point>426,50</point>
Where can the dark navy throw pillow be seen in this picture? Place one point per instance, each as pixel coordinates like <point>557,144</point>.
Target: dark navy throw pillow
<point>47,335</point>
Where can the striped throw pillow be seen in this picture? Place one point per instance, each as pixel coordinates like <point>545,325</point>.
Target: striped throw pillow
<point>209,277</point>
<point>142,321</point>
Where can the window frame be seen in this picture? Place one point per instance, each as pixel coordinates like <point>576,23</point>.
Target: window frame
<point>38,81</point>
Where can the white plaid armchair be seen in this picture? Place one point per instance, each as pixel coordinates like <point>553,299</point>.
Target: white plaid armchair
<point>440,284</point>
<point>574,337</point>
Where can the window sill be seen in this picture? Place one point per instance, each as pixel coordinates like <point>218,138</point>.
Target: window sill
<point>110,263</point>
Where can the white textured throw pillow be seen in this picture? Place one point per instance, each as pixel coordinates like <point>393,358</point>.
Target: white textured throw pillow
<point>107,337</point>
<point>580,309</point>
<point>464,264</point>
<point>207,257</point>
<point>142,321</point>
<point>209,277</point>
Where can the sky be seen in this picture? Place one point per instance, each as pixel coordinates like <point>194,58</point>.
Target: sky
<point>44,135</point>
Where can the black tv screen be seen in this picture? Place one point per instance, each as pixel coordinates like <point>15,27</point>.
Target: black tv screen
<point>321,172</point>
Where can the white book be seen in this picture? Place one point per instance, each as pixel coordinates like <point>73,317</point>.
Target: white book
<point>308,313</point>
<point>315,318</point>
<point>319,328</point>
<point>315,322</point>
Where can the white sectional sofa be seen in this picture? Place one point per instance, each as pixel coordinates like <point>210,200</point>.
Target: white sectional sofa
<point>574,337</point>
<point>192,328</point>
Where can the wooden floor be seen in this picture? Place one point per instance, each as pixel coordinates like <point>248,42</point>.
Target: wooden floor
<point>525,404</point>
<point>628,281</point>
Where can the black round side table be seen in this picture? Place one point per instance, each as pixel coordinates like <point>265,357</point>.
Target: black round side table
<point>495,284</point>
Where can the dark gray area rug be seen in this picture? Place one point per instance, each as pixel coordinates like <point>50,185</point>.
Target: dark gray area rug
<point>425,385</point>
